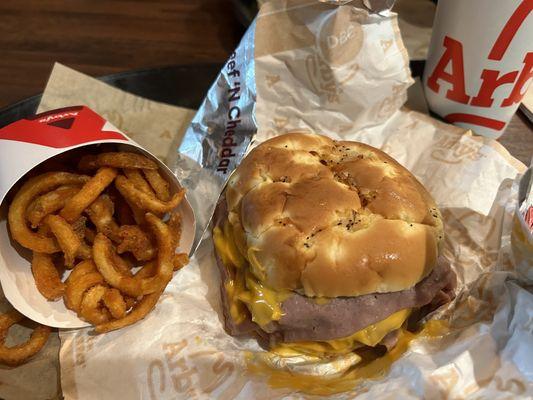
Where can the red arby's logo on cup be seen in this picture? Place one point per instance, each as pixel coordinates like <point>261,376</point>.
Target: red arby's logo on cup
<point>478,71</point>
<point>61,128</point>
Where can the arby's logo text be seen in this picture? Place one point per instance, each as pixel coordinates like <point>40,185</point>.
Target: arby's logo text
<point>58,117</point>
<point>450,68</point>
<point>66,127</point>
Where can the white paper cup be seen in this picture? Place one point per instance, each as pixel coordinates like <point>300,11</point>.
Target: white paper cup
<point>480,62</point>
<point>26,144</point>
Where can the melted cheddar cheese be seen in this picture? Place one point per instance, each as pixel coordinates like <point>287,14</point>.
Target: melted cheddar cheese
<point>329,385</point>
<point>245,291</point>
<point>226,247</point>
<point>264,303</point>
<point>370,336</point>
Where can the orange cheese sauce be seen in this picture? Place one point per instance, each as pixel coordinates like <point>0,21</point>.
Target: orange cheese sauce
<point>246,292</point>
<point>370,369</point>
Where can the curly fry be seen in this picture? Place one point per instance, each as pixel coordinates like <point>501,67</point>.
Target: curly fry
<point>76,288</point>
<point>138,312</point>
<point>17,210</point>
<point>121,159</point>
<point>47,277</point>
<point>161,186</point>
<point>135,176</point>
<point>174,224</point>
<point>82,268</point>
<point>90,309</point>
<point>115,303</point>
<point>102,255</point>
<point>146,201</point>
<point>87,194</point>
<point>66,237</point>
<point>49,203</point>
<point>136,241</point>
<point>19,354</point>
<point>101,214</point>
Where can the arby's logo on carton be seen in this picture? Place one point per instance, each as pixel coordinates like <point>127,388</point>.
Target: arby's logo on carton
<point>61,128</point>
<point>30,141</point>
<point>483,85</point>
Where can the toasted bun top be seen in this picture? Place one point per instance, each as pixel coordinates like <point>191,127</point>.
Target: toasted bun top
<point>331,218</point>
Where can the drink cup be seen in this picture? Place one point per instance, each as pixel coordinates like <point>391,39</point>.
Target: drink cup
<point>480,62</point>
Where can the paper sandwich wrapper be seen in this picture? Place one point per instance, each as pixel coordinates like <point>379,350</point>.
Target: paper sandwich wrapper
<point>281,78</point>
<point>181,351</point>
<point>24,145</point>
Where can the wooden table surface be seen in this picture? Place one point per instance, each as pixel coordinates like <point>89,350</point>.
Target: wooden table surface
<point>107,36</point>
<point>103,37</point>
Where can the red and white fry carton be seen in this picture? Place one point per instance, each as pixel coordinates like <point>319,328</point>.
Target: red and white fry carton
<point>26,144</point>
<point>480,62</point>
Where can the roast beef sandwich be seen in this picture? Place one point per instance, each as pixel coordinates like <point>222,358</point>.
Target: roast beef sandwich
<point>325,247</point>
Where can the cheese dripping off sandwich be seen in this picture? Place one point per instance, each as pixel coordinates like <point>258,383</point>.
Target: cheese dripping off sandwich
<point>325,247</point>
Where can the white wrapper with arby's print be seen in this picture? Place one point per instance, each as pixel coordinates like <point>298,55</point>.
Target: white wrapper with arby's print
<point>343,72</point>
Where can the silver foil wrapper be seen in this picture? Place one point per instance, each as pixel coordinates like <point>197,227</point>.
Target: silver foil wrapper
<point>219,134</point>
<point>302,58</point>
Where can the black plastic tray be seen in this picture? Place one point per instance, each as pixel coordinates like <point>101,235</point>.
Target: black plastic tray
<point>180,85</point>
<point>183,85</point>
